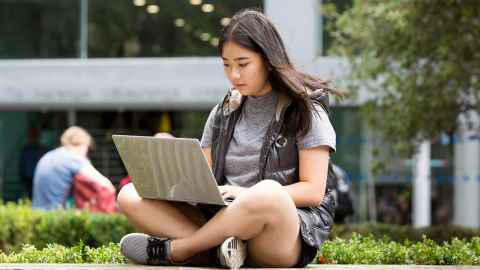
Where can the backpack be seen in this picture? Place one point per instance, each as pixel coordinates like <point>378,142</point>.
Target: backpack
<point>341,193</point>
<point>88,194</point>
<point>341,183</point>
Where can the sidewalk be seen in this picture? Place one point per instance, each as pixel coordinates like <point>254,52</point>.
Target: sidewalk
<point>142,267</point>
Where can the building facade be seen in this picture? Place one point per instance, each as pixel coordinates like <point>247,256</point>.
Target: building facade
<point>140,67</point>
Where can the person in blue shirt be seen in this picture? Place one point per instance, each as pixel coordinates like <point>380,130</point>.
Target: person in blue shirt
<point>56,170</point>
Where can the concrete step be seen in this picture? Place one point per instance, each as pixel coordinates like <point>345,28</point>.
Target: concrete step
<point>143,267</point>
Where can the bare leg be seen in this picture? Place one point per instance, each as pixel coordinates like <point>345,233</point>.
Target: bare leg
<point>161,218</point>
<point>265,215</point>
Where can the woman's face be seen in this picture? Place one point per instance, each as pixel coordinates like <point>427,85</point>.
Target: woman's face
<point>245,70</point>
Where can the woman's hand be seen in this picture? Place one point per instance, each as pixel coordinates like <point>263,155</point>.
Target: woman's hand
<point>229,191</point>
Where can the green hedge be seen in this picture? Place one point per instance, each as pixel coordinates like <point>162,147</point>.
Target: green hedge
<point>400,233</point>
<point>19,225</point>
<point>356,250</point>
<point>369,250</point>
<point>54,253</point>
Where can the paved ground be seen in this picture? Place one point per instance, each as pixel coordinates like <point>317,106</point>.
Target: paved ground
<point>140,267</point>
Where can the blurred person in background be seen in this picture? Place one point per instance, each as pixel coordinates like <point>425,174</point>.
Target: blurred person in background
<point>56,170</point>
<point>29,157</point>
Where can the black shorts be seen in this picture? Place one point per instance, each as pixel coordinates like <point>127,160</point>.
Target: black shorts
<point>307,253</point>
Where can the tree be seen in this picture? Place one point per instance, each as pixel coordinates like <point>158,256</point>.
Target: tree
<point>419,58</point>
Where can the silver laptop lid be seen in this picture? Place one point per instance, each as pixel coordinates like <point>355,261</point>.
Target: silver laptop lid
<point>172,169</point>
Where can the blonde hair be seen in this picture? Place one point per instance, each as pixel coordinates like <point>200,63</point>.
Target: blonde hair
<point>75,136</point>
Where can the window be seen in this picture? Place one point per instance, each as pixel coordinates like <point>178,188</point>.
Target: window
<point>125,28</point>
<point>38,29</point>
<point>159,28</point>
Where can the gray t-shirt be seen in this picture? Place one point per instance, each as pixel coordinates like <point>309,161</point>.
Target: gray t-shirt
<point>243,154</point>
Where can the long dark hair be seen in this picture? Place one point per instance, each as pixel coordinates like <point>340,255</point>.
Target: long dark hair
<point>252,30</point>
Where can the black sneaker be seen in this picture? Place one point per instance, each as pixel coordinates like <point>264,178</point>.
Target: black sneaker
<point>145,249</point>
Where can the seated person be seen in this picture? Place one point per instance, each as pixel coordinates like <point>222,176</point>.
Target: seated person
<point>56,170</point>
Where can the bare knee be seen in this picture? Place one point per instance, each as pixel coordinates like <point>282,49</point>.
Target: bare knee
<point>128,198</point>
<point>266,197</point>
<point>268,184</point>
<point>267,193</point>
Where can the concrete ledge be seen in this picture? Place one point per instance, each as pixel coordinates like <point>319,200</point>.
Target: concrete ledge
<point>142,267</point>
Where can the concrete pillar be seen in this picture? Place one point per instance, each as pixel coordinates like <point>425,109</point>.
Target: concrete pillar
<point>422,186</point>
<point>299,25</point>
<point>83,40</point>
<point>365,206</point>
<point>467,171</point>
<point>71,117</point>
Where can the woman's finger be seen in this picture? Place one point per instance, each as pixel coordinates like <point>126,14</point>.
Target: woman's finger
<point>229,195</point>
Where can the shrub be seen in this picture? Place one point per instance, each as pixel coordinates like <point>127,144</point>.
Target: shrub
<point>55,253</point>
<point>16,225</point>
<point>370,250</point>
<point>67,233</point>
<point>62,227</point>
<point>356,250</point>
<point>19,225</point>
<point>400,233</point>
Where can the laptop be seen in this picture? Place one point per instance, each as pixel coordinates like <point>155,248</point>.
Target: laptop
<point>172,169</point>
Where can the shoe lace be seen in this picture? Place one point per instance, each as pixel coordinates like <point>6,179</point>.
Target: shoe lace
<point>232,257</point>
<point>157,249</point>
